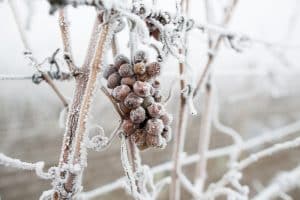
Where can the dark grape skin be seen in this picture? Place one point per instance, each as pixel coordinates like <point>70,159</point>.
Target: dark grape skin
<point>133,101</point>
<point>113,80</point>
<point>128,127</point>
<point>142,89</point>
<point>108,71</point>
<point>121,92</point>
<point>120,60</point>
<point>126,70</point>
<point>138,115</point>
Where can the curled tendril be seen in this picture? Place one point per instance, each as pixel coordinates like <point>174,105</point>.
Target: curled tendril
<point>99,141</point>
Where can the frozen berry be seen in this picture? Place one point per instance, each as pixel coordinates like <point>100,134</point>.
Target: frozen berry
<point>113,80</point>
<point>126,70</point>
<point>128,81</point>
<point>155,141</point>
<point>139,68</point>
<point>124,108</point>
<point>120,92</point>
<point>139,137</point>
<point>153,69</point>
<point>142,89</point>
<point>152,140</point>
<point>120,60</point>
<point>154,126</point>
<point>155,110</point>
<point>133,101</point>
<point>148,101</point>
<point>166,119</point>
<point>138,115</point>
<point>108,71</point>
<point>128,127</point>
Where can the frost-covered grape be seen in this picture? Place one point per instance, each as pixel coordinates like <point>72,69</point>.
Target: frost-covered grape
<point>155,141</point>
<point>142,89</point>
<point>128,127</point>
<point>139,137</point>
<point>113,80</point>
<point>126,70</point>
<point>166,118</point>
<point>124,108</point>
<point>148,101</point>
<point>153,69</point>
<point>120,92</point>
<point>139,68</point>
<point>109,70</point>
<point>154,126</point>
<point>133,101</point>
<point>155,110</point>
<point>138,115</point>
<point>120,60</point>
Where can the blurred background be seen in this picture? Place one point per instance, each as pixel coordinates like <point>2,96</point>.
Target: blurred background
<point>258,91</point>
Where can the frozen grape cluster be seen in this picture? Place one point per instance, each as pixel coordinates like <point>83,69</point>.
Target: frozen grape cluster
<point>134,85</point>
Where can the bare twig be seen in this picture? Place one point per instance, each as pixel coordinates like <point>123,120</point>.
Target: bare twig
<point>93,40</point>
<point>15,77</point>
<point>16,163</point>
<point>284,182</point>
<point>215,49</point>
<point>64,26</point>
<point>205,124</point>
<point>204,140</point>
<point>268,152</point>
<point>179,138</point>
<point>27,48</point>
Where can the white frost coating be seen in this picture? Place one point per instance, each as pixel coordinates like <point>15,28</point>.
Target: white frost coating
<point>188,185</point>
<point>128,169</point>
<point>233,176</point>
<point>46,195</point>
<point>15,77</point>
<point>63,117</point>
<point>98,139</point>
<point>237,139</point>
<point>188,95</point>
<point>241,39</point>
<point>117,4</point>
<point>16,163</point>
<point>268,152</point>
<point>160,185</point>
<point>139,24</point>
<point>284,182</point>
